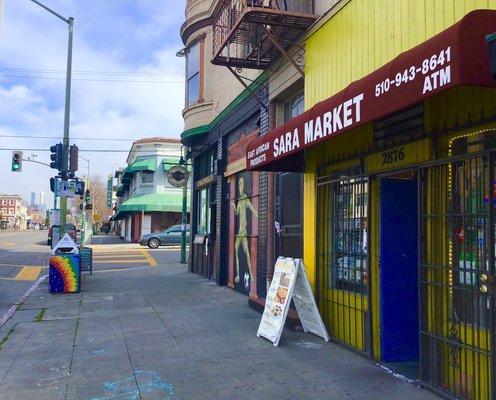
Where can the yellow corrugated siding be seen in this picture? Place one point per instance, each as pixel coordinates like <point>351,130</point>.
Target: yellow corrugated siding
<point>366,34</point>
<point>360,38</point>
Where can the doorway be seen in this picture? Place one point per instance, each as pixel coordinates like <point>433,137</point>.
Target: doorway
<point>399,277</point>
<point>289,196</point>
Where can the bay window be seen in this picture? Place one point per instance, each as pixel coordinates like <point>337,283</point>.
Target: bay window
<point>194,61</point>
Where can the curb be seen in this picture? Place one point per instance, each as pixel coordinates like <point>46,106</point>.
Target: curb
<point>23,298</point>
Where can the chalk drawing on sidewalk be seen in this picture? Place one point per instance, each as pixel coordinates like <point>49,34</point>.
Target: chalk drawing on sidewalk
<point>60,374</point>
<point>148,382</point>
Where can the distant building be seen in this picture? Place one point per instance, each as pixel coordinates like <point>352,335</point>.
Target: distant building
<point>10,211</point>
<point>147,202</point>
<point>37,198</point>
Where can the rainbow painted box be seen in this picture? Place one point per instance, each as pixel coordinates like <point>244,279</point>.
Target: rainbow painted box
<point>65,273</point>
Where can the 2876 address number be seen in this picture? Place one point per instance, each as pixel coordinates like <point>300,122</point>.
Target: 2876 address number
<point>393,156</point>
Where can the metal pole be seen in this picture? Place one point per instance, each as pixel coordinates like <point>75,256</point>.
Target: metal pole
<point>70,22</point>
<point>67,117</point>
<point>184,221</point>
<point>51,11</point>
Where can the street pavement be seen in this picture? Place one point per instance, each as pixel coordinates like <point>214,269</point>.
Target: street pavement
<point>148,329</point>
<point>23,258</point>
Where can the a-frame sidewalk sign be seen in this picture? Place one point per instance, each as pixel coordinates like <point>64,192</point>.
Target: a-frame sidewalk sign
<point>290,282</point>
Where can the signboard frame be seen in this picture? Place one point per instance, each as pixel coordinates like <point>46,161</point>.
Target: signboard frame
<point>290,279</point>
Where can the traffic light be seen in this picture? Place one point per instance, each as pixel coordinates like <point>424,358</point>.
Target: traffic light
<point>16,161</point>
<point>87,196</point>
<point>57,156</point>
<point>73,158</point>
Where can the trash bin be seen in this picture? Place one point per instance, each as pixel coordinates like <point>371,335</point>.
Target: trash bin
<point>65,267</point>
<point>86,255</point>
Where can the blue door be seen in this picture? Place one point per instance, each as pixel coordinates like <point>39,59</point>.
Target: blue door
<point>399,270</point>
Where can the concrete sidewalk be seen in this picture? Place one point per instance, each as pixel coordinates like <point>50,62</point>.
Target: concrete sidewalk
<point>163,333</point>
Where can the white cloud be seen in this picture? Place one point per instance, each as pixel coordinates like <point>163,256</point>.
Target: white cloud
<point>143,37</point>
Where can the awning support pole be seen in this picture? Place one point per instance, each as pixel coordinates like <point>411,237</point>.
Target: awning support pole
<point>283,50</point>
<point>247,87</point>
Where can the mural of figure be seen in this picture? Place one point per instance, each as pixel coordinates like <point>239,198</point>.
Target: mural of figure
<point>241,210</point>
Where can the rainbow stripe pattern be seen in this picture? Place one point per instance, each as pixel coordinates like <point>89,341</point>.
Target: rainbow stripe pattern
<point>65,274</point>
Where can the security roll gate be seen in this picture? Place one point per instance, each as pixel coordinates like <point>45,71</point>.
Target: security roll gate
<point>343,270</point>
<point>456,270</point>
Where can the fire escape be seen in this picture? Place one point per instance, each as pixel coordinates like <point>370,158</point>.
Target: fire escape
<point>253,33</point>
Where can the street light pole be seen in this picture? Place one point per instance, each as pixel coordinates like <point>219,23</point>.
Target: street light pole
<point>85,216</point>
<point>67,114</point>
<point>184,214</point>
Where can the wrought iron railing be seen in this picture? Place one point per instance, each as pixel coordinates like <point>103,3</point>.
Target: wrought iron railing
<point>233,40</point>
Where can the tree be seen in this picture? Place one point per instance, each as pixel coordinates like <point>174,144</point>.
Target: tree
<point>98,192</point>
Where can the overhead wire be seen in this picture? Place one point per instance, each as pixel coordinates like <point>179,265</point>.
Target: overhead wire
<point>61,138</point>
<point>91,72</point>
<point>89,79</point>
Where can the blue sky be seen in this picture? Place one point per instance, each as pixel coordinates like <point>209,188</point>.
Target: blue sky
<point>122,40</point>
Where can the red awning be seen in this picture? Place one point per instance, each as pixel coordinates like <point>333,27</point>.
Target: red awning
<point>454,57</point>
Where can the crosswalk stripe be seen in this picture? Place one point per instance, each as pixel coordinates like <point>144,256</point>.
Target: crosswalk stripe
<point>116,255</point>
<point>28,274</point>
<point>149,258</point>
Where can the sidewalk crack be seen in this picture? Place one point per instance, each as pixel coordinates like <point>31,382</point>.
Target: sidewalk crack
<point>73,347</point>
<point>130,360</point>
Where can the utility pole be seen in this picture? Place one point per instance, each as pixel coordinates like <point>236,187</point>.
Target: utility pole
<point>184,222</point>
<point>67,114</point>
<point>184,215</point>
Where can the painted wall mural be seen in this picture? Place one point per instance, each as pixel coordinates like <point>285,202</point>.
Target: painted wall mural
<point>65,274</point>
<point>243,221</point>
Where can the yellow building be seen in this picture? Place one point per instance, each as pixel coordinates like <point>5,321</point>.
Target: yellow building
<point>397,145</point>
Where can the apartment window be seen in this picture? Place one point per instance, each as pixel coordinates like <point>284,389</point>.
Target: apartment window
<point>11,211</point>
<point>4,211</point>
<point>4,202</point>
<point>294,107</point>
<point>146,177</point>
<point>193,73</point>
<point>11,202</point>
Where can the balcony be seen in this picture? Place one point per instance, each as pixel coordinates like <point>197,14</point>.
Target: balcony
<point>253,33</point>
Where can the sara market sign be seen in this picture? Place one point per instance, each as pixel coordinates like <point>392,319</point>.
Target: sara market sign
<point>457,56</point>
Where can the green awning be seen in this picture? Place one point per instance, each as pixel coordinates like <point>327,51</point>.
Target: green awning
<point>117,216</point>
<point>145,164</point>
<point>169,162</point>
<point>171,202</point>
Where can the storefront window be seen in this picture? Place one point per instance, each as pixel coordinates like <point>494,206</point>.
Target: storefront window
<point>203,204</point>
<point>193,74</point>
<point>468,220</point>
<point>348,269</point>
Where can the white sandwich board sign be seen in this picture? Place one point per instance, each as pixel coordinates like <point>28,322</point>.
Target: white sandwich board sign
<point>290,282</point>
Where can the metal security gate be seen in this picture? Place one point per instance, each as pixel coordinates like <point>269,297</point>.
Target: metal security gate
<point>456,272</point>
<point>343,259</point>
